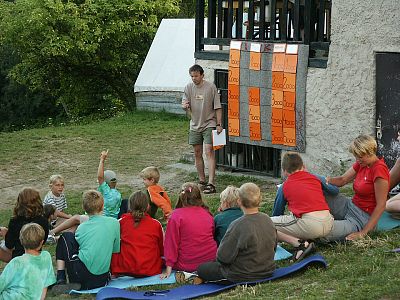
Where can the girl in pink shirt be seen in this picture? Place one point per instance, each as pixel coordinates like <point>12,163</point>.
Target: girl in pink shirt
<point>189,239</point>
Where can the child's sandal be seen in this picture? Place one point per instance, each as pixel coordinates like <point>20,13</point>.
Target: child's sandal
<point>306,251</point>
<point>209,189</point>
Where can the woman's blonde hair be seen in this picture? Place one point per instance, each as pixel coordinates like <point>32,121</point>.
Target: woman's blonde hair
<point>138,204</point>
<point>230,196</point>
<point>363,145</point>
<point>29,204</point>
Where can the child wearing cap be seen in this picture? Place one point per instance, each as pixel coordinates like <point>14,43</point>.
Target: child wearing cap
<point>107,183</point>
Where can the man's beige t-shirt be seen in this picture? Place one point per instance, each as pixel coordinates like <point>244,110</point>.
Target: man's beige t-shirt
<point>203,100</point>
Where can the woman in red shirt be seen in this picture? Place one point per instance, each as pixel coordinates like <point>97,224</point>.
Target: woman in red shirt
<point>355,217</point>
<point>141,241</point>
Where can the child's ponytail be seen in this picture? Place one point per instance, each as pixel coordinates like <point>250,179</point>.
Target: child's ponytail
<point>138,206</point>
<point>190,196</point>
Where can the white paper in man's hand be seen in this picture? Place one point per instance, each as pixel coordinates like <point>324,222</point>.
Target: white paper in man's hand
<point>219,140</point>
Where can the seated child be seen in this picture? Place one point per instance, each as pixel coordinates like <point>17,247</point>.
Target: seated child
<point>29,275</point>
<point>310,217</point>
<point>142,241</point>
<point>57,198</point>
<point>229,211</point>
<point>28,209</point>
<point>107,187</point>
<point>280,202</point>
<point>158,196</point>
<point>247,251</point>
<point>189,238</point>
<point>87,254</point>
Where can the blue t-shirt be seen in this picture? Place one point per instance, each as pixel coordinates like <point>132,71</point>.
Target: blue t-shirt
<point>112,200</point>
<point>25,277</point>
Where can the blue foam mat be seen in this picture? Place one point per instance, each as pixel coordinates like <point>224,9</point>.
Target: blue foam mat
<point>127,281</point>
<point>386,222</point>
<point>193,291</point>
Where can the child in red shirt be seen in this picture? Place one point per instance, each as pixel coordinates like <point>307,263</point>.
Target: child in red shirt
<point>310,217</point>
<point>141,241</point>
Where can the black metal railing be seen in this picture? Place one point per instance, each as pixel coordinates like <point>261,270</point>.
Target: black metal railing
<point>243,157</point>
<point>289,21</point>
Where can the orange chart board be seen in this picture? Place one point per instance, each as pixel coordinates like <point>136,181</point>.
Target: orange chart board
<point>233,127</point>
<point>264,102</point>
<point>283,101</point>
<point>233,109</point>
<point>233,76</point>
<point>234,58</point>
<point>255,61</point>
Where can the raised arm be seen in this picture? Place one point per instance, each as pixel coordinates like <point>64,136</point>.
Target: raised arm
<point>381,187</point>
<point>100,170</point>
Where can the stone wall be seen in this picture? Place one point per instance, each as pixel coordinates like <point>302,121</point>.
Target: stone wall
<point>340,100</point>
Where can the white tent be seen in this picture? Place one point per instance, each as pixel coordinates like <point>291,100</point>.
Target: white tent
<point>169,58</point>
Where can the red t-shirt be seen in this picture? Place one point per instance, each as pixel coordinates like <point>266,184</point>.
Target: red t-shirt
<point>141,248</point>
<point>303,192</point>
<point>363,185</point>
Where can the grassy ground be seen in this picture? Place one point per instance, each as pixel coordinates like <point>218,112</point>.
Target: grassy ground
<point>360,270</point>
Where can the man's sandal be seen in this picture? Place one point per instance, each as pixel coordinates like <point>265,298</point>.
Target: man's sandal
<point>202,185</point>
<point>209,189</point>
<point>306,251</point>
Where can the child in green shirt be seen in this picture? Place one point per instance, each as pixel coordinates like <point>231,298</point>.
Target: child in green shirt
<point>29,275</point>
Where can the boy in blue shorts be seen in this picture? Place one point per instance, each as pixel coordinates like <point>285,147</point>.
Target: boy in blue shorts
<point>29,275</point>
<point>87,254</point>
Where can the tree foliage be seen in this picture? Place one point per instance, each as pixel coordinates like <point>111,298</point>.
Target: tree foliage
<point>81,52</point>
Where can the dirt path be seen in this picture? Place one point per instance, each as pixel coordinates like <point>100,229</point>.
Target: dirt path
<point>172,177</point>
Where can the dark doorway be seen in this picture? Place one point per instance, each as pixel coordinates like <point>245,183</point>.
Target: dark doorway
<point>388,106</point>
<point>243,157</point>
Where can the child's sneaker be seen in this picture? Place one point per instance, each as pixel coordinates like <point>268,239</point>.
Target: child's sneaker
<point>51,239</point>
<point>186,277</point>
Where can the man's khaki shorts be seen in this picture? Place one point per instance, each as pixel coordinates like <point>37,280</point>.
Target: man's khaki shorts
<point>199,138</point>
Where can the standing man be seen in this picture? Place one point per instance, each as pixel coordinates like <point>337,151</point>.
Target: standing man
<point>202,102</point>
